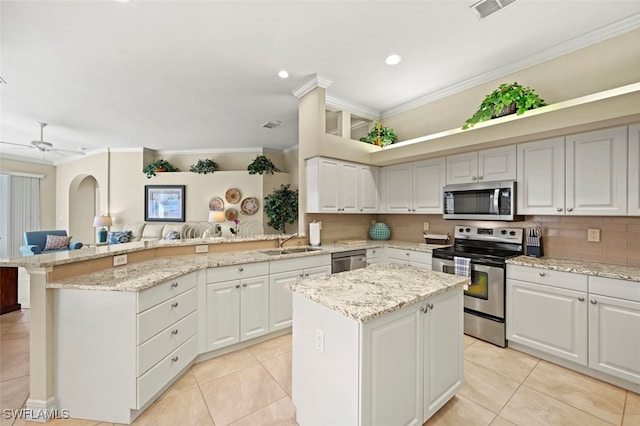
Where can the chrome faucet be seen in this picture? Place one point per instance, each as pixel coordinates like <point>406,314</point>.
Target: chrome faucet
<point>281,240</point>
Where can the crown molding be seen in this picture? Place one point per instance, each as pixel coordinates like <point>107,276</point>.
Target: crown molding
<point>360,110</point>
<point>291,149</point>
<point>601,34</point>
<point>253,149</point>
<point>316,80</point>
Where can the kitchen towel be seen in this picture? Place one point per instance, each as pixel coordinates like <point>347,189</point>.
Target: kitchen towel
<point>463,267</point>
<point>314,234</point>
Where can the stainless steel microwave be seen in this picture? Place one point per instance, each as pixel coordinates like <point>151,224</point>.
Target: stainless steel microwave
<point>481,201</point>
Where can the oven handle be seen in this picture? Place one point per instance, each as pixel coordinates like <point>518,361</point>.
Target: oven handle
<point>438,263</point>
<point>496,201</point>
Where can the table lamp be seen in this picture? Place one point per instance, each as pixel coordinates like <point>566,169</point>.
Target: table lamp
<point>104,222</point>
<point>217,217</point>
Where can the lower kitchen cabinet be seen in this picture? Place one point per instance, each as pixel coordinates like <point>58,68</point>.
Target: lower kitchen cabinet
<point>374,256</point>
<point>409,257</point>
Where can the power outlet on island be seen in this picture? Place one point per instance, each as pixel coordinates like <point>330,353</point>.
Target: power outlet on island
<point>425,227</point>
<point>120,260</point>
<point>319,340</point>
<point>593,235</point>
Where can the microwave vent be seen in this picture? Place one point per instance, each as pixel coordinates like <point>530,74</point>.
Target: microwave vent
<point>484,8</point>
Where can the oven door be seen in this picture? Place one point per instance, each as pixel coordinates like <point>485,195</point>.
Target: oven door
<point>486,291</point>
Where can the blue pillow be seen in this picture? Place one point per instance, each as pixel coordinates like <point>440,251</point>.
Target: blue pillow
<point>119,237</point>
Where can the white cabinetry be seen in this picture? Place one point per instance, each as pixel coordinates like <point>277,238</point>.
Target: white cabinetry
<point>335,186</point>
<point>487,165</point>
<point>418,259</point>
<point>237,303</point>
<point>582,174</point>
<point>634,171</point>
<point>375,255</point>
<point>284,272</point>
<point>414,187</point>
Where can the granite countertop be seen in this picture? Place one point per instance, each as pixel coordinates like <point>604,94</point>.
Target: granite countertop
<point>606,270</point>
<point>364,294</point>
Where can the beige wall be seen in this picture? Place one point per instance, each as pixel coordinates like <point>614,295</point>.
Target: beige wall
<point>227,161</point>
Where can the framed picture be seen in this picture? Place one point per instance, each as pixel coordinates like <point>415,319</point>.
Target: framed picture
<point>164,203</point>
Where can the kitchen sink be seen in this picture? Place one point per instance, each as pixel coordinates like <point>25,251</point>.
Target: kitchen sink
<point>292,250</point>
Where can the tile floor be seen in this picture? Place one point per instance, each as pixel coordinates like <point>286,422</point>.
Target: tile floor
<point>253,387</point>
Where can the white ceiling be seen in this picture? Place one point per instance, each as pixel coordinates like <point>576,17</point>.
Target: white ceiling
<point>202,75</point>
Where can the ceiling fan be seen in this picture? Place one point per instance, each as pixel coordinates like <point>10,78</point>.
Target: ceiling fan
<point>44,146</point>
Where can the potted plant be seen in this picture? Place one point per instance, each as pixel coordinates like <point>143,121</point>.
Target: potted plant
<point>261,164</point>
<point>204,166</point>
<point>160,165</point>
<point>506,99</point>
<point>380,135</point>
<point>281,206</point>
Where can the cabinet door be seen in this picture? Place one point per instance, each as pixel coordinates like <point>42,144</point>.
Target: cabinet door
<point>368,198</point>
<point>254,307</point>
<point>550,319</point>
<point>348,188</point>
<point>318,271</point>
<point>443,350</point>
<point>328,185</point>
<point>634,170</point>
<point>429,177</point>
<point>223,314</point>
<point>497,164</point>
<point>462,168</point>
<point>614,337</point>
<point>597,172</point>
<point>280,315</point>
<point>541,167</point>
<point>398,189</point>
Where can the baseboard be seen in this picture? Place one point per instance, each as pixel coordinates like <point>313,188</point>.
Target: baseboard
<point>42,411</point>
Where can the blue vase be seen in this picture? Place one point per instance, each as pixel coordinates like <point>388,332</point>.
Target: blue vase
<point>379,231</point>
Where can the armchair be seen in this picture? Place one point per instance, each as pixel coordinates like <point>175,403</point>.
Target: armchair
<point>35,242</point>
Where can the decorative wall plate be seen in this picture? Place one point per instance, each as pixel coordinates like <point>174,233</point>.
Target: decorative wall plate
<point>249,205</point>
<point>216,204</point>
<point>232,195</point>
<point>231,214</point>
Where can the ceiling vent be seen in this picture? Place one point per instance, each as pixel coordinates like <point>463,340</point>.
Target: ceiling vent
<point>484,8</point>
<point>271,124</point>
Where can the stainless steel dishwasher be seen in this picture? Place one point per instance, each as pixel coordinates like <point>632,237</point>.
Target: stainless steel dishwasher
<point>348,260</point>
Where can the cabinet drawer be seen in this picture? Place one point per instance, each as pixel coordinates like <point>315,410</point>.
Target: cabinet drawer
<point>373,253</point>
<point>165,342</point>
<point>621,289</point>
<point>566,280</point>
<point>161,316</point>
<point>165,291</point>
<point>409,255</point>
<point>236,272</point>
<point>277,266</point>
<point>165,370</point>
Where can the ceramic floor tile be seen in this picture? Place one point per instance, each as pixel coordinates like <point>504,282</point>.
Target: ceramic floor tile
<point>271,348</point>
<point>239,394</point>
<point>586,393</point>
<point>13,345</point>
<point>487,388</point>
<point>468,340</point>
<point>280,368</point>
<point>14,392</point>
<point>501,421</point>
<point>15,330</point>
<point>211,369</point>
<point>512,364</point>
<point>461,411</point>
<point>184,408</point>
<point>58,422</point>
<point>13,366</point>
<point>632,410</point>
<point>532,408</point>
<point>186,382</point>
<point>280,413</point>
<point>12,316</point>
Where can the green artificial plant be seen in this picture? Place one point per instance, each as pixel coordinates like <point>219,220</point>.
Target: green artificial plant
<point>261,164</point>
<point>281,206</point>
<point>159,166</point>
<point>380,135</point>
<point>204,166</point>
<point>506,99</point>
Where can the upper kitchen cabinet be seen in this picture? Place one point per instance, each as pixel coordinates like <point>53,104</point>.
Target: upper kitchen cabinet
<point>634,170</point>
<point>335,186</point>
<point>487,165</point>
<point>583,174</point>
<point>414,187</point>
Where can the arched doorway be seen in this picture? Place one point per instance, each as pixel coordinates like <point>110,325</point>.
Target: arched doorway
<point>84,204</point>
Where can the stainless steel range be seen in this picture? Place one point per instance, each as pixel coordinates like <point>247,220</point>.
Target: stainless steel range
<point>484,300</point>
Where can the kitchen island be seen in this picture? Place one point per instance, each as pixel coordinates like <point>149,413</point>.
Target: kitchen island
<point>376,346</point>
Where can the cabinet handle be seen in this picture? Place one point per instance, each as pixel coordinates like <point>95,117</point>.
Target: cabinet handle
<point>408,210</point>
<point>301,275</point>
<point>479,177</point>
<point>240,269</point>
<point>559,209</point>
<point>423,309</point>
<point>306,275</point>
<point>408,254</point>
<point>413,210</point>
<point>174,332</point>
<point>542,274</point>
<point>430,306</point>
<point>473,178</point>
<point>581,299</point>
<point>361,209</point>
<point>237,285</point>
<point>174,305</point>
<point>594,301</point>
<point>244,285</point>
<point>569,209</point>
<point>174,358</point>
<point>174,285</point>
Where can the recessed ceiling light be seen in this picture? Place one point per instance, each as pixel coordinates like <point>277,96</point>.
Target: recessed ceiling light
<point>393,59</point>
<point>283,74</point>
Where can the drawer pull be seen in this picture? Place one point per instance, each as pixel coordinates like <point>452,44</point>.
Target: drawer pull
<point>594,301</point>
<point>559,209</point>
<point>408,254</point>
<point>174,284</point>
<point>569,209</point>
<point>542,274</point>
<point>301,275</point>
<point>581,299</point>
<point>174,305</point>
<point>174,358</point>
<point>237,285</point>
<point>174,332</point>
<point>244,285</point>
<point>240,269</point>
<point>306,275</point>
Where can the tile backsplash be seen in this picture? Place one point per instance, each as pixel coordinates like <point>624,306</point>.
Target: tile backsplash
<point>563,236</point>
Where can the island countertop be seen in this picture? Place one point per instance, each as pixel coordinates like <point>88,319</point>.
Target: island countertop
<point>367,293</point>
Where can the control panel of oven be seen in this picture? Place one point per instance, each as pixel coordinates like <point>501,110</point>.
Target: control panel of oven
<point>489,234</point>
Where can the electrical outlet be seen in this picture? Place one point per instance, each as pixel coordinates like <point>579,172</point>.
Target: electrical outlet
<point>593,235</point>
<point>320,340</point>
<point>120,260</point>
<point>425,227</point>
<point>202,248</point>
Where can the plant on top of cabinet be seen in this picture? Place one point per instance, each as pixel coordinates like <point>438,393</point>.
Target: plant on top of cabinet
<point>506,99</point>
<point>380,135</point>
<point>261,164</point>
<point>160,165</point>
<point>281,206</point>
<point>204,166</point>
